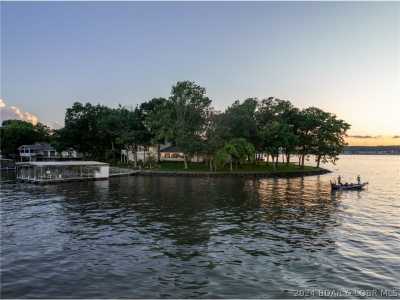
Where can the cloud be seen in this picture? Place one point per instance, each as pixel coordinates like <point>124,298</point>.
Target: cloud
<point>396,137</point>
<point>13,112</point>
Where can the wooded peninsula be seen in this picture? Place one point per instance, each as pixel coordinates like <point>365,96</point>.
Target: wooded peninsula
<point>240,136</point>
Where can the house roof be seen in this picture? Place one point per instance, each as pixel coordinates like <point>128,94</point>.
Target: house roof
<point>171,149</point>
<point>37,146</point>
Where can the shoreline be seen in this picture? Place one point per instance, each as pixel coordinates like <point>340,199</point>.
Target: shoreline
<point>254,174</point>
<point>154,173</point>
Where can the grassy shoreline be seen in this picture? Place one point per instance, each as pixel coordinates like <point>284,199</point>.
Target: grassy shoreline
<point>259,170</point>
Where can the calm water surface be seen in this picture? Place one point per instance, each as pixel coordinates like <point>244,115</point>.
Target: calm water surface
<point>143,237</point>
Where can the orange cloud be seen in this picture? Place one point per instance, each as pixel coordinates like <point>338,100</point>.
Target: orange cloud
<point>13,112</point>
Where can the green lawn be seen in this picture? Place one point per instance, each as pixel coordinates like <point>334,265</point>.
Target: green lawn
<point>259,167</point>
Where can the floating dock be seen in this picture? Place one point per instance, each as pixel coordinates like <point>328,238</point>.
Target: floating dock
<point>44,172</point>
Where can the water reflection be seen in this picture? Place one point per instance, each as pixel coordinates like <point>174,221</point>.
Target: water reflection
<point>152,237</point>
<point>192,211</point>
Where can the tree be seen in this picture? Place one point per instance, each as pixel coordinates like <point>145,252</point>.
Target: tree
<point>239,121</point>
<point>133,132</point>
<point>189,111</point>
<point>277,125</point>
<point>238,150</point>
<point>271,135</point>
<point>221,158</point>
<point>82,130</point>
<point>214,140</point>
<point>111,125</point>
<point>307,124</point>
<point>14,133</point>
<point>321,134</point>
<point>329,137</point>
<point>158,117</point>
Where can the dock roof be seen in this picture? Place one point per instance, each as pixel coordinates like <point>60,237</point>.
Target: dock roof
<point>38,146</point>
<point>62,163</point>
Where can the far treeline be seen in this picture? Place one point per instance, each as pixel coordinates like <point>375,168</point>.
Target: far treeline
<point>186,119</point>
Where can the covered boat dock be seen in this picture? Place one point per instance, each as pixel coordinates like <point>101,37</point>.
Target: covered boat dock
<point>59,171</point>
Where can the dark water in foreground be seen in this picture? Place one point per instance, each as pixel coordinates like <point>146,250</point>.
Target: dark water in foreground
<point>143,237</point>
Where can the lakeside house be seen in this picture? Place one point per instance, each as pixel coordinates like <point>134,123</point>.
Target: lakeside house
<point>43,152</point>
<point>168,152</point>
<point>37,151</point>
<point>143,153</point>
<point>172,153</point>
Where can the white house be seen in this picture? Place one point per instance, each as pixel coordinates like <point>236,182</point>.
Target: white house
<point>172,153</point>
<point>44,151</point>
<point>167,153</point>
<point>143,154</point>
<point>37,151</point>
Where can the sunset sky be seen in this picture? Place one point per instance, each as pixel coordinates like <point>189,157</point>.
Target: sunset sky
<point>341,57</point>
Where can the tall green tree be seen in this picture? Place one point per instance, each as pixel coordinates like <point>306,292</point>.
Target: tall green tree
<point>277,126</point>
<point>133,132</point>
<point>214,139</point>
<point>322,134</point>
<point>110,125</point>
<point>158,117</point>
<point>239,119</point>
<point>190,110</point>
<point>328,137</point>
<point>82,132</point>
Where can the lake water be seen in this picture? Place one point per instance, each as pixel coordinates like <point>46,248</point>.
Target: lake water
<point>160,237</point>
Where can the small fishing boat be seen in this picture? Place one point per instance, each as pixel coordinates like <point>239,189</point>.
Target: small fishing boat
<point>348,186</point>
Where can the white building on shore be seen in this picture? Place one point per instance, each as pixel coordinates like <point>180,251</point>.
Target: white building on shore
<point>168,152</point>
<point>43,152</point>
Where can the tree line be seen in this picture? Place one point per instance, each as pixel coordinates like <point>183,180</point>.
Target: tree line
<point>241,134</point>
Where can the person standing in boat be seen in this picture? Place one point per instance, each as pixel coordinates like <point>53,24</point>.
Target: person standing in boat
<point>339,180</point>
<point>358,179</point>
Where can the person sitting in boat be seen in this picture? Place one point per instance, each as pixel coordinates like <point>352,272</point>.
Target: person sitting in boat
<point>358,179</point>
<point>339,180</point>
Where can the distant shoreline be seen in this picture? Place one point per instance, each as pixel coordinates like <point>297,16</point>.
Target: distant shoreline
<point>371,150</point>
